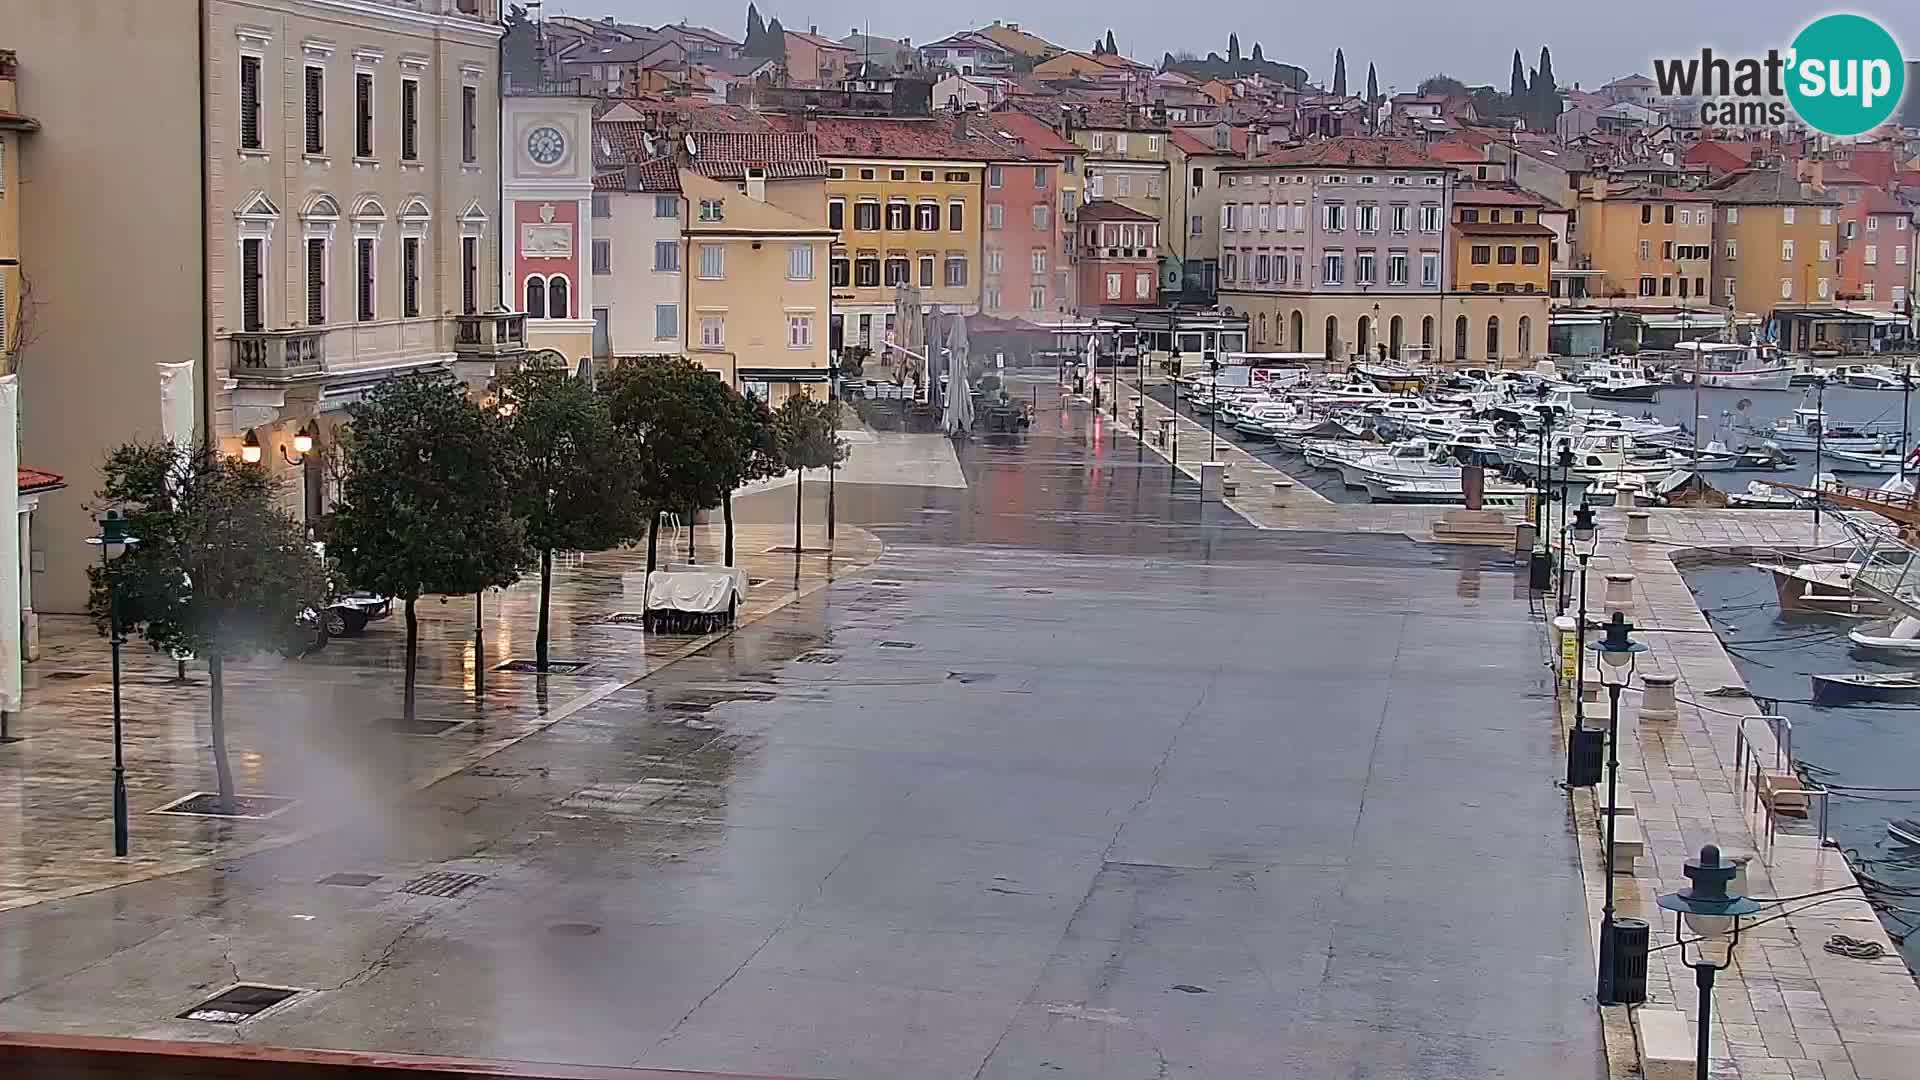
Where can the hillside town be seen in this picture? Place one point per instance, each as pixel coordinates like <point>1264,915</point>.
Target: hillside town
<point>559,541</point>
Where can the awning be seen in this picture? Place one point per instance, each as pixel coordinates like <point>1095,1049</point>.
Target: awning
<point>808,375</point>
<point>1704,320</point>
<point>1575,320</point>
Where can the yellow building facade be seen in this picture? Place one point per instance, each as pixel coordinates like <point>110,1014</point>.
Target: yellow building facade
<point>1775,241</point>
<point>913,221</point>
<point>1648,242</point>
<point>758,298</point>
<point>12,126</point>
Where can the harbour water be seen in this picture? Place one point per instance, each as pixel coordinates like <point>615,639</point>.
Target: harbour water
<point>1851,749</point>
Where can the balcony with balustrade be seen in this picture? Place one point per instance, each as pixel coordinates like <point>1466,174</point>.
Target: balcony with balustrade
<point>279,356</point>
<point>490,336</point>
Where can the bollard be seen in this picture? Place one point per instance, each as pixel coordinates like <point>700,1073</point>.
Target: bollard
<point>1637,526</point>
<point>1619,594</point>
<point>1211,474</point>
<point>1657,700</point>
<point>1166,429</point>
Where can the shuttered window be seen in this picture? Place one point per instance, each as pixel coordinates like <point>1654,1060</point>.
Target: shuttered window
<point>410,120</point>
<point>410,276</point>
<point>316,282</point>
<point>316,110</point>
<point>363,114</point>
<point>469,273</point>
<point>469,124</point>
<point>250,102</point>
<point>250,283</point>
<point>363,274</point>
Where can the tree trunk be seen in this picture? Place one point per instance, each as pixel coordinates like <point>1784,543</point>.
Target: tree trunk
<point>413,658</point>
<point>653,541</point>
<point>830,471</point>
<point>726,511</point>
<point>546,596</point>
<point>799,489</point>
<point>217,722</point>
<point>693,518</point>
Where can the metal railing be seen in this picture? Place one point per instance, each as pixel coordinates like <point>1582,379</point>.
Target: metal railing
<point>1751,766</point>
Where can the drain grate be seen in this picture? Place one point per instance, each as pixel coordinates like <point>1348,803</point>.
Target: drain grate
<point>238,1005</point>
<point>970,676</point>
<point>817,657</point>
<point>1039,592</point>
<point>756,582</point>
<point>887,583</point>
<point>419,725</point>
<point>898,645</point>
<point>64,675</point>
<point>625,618</point>
<point>554,667</point>
<point>351,881</point>
<point>442,883</point>
<point>207,804</point>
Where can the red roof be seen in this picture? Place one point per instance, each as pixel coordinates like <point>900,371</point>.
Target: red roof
<point>938,139</point>
<point>1879,202</point>
<point>1502,228</point>
<point>1495,197</point>
<point>1455,153</point>
<point>1108,210</point>
<point>32,480</point>
<point>1354,152</point>
<point>1032,131</point>
<point>1842,176</point>
<point>657,177</point>
<point>1199,140</point>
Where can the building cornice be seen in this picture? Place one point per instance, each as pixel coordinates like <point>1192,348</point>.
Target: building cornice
<point>384,16</point>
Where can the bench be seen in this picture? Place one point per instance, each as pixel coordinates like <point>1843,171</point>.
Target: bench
<point>1665,1042</point>
<point>1629,843</point>
<point>1623,803</point>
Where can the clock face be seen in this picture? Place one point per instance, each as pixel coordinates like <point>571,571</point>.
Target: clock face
<point>545,145</point>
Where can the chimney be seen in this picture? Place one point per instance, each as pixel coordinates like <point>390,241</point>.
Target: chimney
<point>815,30</point>
<point>1255,136</point>
<point>633,177</point>
<point>812,121</point>
<point>1013,26</point>
<point>959,123</point>
<point>757,184</point>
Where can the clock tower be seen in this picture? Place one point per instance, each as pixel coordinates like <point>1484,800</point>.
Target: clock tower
<point>546,170</point>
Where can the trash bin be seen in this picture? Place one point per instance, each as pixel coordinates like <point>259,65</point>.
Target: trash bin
<point>1630,942</point>
<point>1586,752</point>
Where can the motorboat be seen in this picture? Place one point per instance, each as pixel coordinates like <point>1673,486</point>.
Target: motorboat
<point>1905,831</point>
<point>1350,393</point>
<point>1766,456</point>
<point>1867,377</point>
<point>1866,688</point>
<point>1762,496</point>
<point>1624,388</point>
<point>1807,371</point>
<point>1723,366</point>
<point>1293,436</point>
<point>1896,637</point>
<point>1393,378</point>
<point>1440,491</point>
<point>1258,422</point>
<point>1820,589</point>
<point>1806,428</point>
<point>1596,457</point>
<point>1713,457</point>
<point>1882,460</point>
<point>1409,460</point>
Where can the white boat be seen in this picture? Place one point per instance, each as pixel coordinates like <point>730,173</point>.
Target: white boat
<point>1443,491</point>
<point>1294,435</point>
<point>1898,637</point>
<point>1881,461</point>
<point>1762,496</point>
<point>1352,393</point>
<point>1713,457</point>
<point>1259,421</point>
<point>1624,388</point>
<point>1724,366</point>
<point>1867,376</point>
<point>1806,429</point>
<point>1409,460</point>
<point>1819,589</point>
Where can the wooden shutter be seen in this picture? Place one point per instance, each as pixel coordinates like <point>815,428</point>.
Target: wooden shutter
<point>316,282</point>
<point>250,285</point>
<point>316,110</point>
<point>250,102</point>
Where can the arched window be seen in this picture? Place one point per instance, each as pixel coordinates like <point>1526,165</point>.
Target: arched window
<point>1263,328</point>
<point>1493,337</point>
<point>1460,338</point>
<point>1395,331</point>
<point>1426,337</point>
<point>536,297</point>
<point>1333,337</point>
<point>1299,328</point>
<point>557,298</point>
<point>1526,336</point>
<point>1364,342</point>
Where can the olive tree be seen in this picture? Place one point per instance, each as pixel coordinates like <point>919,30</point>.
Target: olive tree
<point>219,570</point>
<point>807,432</point>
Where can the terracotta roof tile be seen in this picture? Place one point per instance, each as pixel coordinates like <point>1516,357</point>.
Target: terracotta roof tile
<point>1502,228</point>
<point>1764,187</point>
<point>1354,152</point>
<point>1032,131</point>
<point>1456,153</point>
<point>936,139</point>
<point>1108,210</point>
<point>1495,197</point>
<point>39,480</point>
<point>1199,140</point>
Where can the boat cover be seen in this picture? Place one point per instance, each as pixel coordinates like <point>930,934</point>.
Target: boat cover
<point>704,592</point>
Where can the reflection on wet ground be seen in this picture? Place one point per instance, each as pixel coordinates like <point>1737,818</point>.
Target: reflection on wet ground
<point>1083,778</point>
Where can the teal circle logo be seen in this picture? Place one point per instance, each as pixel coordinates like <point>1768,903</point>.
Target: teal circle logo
<point>1846,75</point>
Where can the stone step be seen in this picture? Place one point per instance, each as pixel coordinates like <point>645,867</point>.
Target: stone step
<point>1629,843</point>
<point>1666,1044</point>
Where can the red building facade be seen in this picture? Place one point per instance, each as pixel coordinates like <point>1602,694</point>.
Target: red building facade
<point>1118,249</point>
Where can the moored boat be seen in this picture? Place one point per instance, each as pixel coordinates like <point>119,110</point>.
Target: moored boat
<point>1820,589</point>
<point>1866,688</point>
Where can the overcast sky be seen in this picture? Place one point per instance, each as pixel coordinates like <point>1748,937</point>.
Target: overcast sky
<point>1592,40</point>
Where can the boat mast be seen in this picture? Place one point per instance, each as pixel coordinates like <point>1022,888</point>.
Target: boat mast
<point>1686,320</point>
<point>1906,395</point>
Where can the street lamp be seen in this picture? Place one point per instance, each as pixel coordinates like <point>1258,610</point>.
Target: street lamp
<point>113,534</point>
<point>1707,908</point>
<point>1566,499</point>
<point>1213,370</point>
<point>1173,357</point>
<point>1586,539</point>
<point>1617,651</point>
<point>250,448</point>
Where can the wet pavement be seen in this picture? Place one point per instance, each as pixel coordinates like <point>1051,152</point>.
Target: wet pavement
<point>1082,778</point>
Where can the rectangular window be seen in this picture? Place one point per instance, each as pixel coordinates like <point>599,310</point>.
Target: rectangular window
<point>1646,251</point>
<point>926,217</point>
<point>1120,143</point>
<point>1729,283</point>
<point>1733,249</point>
<point>1900,256</point>
<point>666,256</point>
<point>363,114</point>
<point>602,206</point>
<point>1142,285</point>
<point>1430,218</point>
<point>1332,268</point>
<point>1482,254</point>
<point>1733,215</point>
<point>1262,268</point>
<point>1039,178</point>
<point>1396,268</point>
<point>866,272</point>
<point>1666,249</point>
<point>1113,286</point>
<point>1363,268</point>
<point>603,256</point>
<point>993,261</point>
<point>994,176</point>
<point>1429,268</point>
<point>251,284</point>
<point>996,215</point>
<point>316,281</point>
<point>836,213</point>
<point>800,262</point>
<point>666,322</point>
<point>1666,286</point>
<point>713,261</point>
<point>1042,215</point>
<point>1873,254</point>
<point>1667,214</point>
<point>1786,250</point>
<point>1826,215</point>
<point>1826,250</point>
<point>1037,298</point>
<point>956,270</point>
<point>363,277</point>
<point>992,297</point>
<point>410,276</point>
<point>469,274</point>
<point>1786,288</point>
<point>316,110</point>
<point>1530,255</point>
<point>896,271</point>
<point>899,216</point>
<point>956,217</point>
<point>1509,255</point>
<point>1369,218</point>
<point>926,271</point>
<point>1873,224</point>
<point>713,331</point>
<point>250,102</point>
<point>409,120</point>
<point>1399,219</point>
<point>666,206</point>
<point>799,331</point>
<point>1335,218</point>
<point>866,216</point>
<point>839,273</point>
<point>1786,215</point>
<point>1123,184</point>
<point>1648,287</point>
<point>1226,218</point>
<point>469,124</point>
<point>713,210</point>
<point>1646,213</point>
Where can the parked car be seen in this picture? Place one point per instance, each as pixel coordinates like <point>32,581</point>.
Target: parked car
<point>348,613</point>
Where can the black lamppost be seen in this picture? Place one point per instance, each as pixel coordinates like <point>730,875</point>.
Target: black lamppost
<point>1616,651</point>
<point>1213,371</point>
<point>1586,537</point>
<point>1173,358</point>
<point>1566,501</point>
<point>1707,908</point>
<point>1819,446</point>
<point>113,534</point>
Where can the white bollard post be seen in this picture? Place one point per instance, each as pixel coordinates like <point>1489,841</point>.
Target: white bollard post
<point>1619,594</point>
<point>1657,701</point>
<point>1211,473</point>
<point>1637,526</point>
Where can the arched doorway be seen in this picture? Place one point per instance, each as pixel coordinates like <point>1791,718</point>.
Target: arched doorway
<point>1395,333</point>
<point>1298,326</point>
<point>1333,337</point>
<point>1493,337</point>
<point>1363,342</point>
<point>1263,328</point>
<point>1426,337</point>
<point>1460,338</point>
<point>1526,336</point>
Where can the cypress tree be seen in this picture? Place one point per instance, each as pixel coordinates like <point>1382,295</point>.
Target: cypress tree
<point>1517,85</point>
<point>1112,49</point>
<point>1339,73</point>
<point>1233,48</point>
<point>756,32</point>
<point>1257,58</point>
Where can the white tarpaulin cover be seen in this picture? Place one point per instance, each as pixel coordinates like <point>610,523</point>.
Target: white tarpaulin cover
<point>703,592</point>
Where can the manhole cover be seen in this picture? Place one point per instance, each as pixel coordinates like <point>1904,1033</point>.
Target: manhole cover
<point>238,1005</point>
<point>626,618</point>
<point>817,657</point>
<point>64,675</point>
<point>419,725</point>
<point>1039,592</point>
<point>207,804</point>
<point>574,929</point>
<point>351,881</point>
<point>442,883</point>
<point>898,645</point>
<point>554,667</point>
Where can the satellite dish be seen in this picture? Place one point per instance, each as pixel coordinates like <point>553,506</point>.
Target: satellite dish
<point>606,147</point>
<point>646,141</point>
<point>693,148</point>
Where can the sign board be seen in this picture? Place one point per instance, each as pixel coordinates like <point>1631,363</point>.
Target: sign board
<point>1262,376</point>
<point>1569,657</point>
